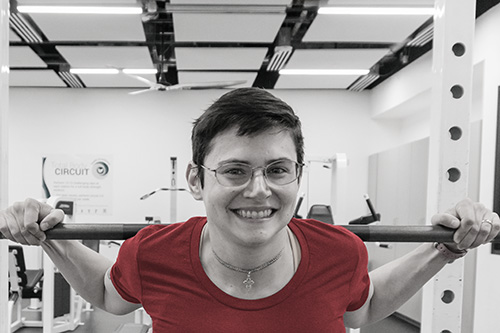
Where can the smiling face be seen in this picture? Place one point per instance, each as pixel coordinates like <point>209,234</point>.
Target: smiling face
<point>254,213</point>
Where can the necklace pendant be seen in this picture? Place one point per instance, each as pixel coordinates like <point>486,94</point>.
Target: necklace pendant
<point>248,282</point>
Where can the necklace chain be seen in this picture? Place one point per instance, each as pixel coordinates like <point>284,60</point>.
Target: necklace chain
<point>248,282</point>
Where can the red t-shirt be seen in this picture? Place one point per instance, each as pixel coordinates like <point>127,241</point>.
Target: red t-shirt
<point>161,269</point>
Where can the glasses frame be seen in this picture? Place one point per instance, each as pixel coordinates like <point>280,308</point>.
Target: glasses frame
<point>298,170</point>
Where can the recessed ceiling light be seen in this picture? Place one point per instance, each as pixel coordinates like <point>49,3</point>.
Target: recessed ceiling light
<point>324,71</point>
<point>94,71</point>
<point>139,71</point>
<point>79,10</point>
<point>376,10</point>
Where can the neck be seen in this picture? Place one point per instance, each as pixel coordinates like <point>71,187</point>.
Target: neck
<point>240,254</point>
<point>228,265</point>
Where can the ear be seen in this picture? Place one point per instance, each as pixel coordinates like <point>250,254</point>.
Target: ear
<point>194,181</point>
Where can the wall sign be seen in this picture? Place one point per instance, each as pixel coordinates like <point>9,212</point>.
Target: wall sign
<point>84,179</point>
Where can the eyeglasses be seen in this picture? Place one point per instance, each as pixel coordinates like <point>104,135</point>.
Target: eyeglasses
<point>280,172</point>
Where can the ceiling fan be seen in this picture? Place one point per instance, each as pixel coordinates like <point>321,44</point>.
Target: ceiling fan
<point>163,85</point>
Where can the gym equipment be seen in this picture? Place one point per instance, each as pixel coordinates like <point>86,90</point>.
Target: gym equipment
<point>60,310</point>
<point>173,189</point>
<point>367,219</point>
<point>368,233</point>
<point>321,213</point>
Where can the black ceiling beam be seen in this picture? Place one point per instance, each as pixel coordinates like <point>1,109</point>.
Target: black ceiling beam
<point>46,51</point>
<point>393,64</point>
<point>297,20</point>
<point>160,39</point>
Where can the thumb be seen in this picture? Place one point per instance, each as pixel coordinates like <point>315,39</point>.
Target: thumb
<point>49,217</point>
<point>446,220</point>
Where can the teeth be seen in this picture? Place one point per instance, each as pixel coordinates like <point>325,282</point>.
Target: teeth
<point>252,214</point>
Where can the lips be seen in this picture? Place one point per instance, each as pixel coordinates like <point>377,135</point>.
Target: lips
<point>253,213</point>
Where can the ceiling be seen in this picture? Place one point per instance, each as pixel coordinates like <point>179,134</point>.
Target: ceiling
<point>196,41</point>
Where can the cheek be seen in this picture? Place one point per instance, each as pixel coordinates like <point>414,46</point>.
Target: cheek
<point>219,198</point>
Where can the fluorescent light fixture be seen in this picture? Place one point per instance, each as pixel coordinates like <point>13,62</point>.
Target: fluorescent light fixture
<point>324,71</point>
<point>376,10</point>
<point>139,71</point>
<point>79,10</point>
<point>94,71</point>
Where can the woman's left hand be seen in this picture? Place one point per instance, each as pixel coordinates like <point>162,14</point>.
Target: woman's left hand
<point>474,223</point>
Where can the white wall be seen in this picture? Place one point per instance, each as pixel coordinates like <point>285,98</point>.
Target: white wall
<point>141,132</point>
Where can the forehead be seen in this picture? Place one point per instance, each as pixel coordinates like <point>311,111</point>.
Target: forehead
<point>259,148</point>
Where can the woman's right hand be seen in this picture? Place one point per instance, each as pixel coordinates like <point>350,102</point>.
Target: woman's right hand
<point>26,222</point>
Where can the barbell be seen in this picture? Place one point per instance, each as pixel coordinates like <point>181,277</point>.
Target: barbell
<point>368,233</point>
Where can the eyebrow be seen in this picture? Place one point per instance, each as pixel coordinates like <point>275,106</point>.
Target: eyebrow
<point>234,160</point>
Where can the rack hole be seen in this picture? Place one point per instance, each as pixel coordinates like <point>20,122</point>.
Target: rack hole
<point>445,331</point>
<point>453,174</point>
<point>458,49</point>
<point>447,296</point>
<point>457,91</point>
<point>455,133</point>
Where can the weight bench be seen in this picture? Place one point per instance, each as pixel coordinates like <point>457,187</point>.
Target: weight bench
<point>30,281</point>
<point>23,284</point>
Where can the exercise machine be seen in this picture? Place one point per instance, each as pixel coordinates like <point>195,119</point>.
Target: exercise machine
<point>55,306</point>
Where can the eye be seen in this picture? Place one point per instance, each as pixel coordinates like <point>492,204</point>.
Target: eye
<point>233,170</point>
<point>278,169</point>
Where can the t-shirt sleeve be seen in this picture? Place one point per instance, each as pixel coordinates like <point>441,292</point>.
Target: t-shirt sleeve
<point>360,281</point>
<point>125,272</point>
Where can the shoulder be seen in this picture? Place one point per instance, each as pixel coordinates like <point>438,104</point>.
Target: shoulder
<point>316,228</point>
<point>159,232</point>
<point>321,235</point>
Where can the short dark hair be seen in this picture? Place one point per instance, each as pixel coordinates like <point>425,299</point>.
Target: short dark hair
<point>251,111</point>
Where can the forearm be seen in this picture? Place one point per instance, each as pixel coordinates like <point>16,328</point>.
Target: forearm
<point>397,281</point>
<point>83,268</point>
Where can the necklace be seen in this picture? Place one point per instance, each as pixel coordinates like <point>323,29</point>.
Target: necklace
<point>248,282</point>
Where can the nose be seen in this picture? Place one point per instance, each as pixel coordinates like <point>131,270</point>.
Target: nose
<point>257,186</point>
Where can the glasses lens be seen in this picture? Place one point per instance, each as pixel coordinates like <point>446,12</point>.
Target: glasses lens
<point>282,172</point>
<point>233,174</point>
<point>278,173</point>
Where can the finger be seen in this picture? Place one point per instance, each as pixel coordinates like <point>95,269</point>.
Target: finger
<point>465,211</point>
<point>473,240</point>
<point>30,228</point>
<point>14,218</point>
<point>446,220</point>
<point>54,217</point>
<point>4,225</point>
<point>495,227</point>
<point>479,231</point>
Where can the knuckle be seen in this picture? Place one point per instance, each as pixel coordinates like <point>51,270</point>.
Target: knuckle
<point>469,223</point>
<point>31,203</point>
<point>479,206</point>
<point>31,228</point>
<point>483,233</point>
<point>17,207</point>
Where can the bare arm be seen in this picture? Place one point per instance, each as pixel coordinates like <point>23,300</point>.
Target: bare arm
<point>84,269</point>
<point>396,282</point>
<point>88,273</point>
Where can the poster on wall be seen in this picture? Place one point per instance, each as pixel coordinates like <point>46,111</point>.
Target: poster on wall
<point>84,179</point>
